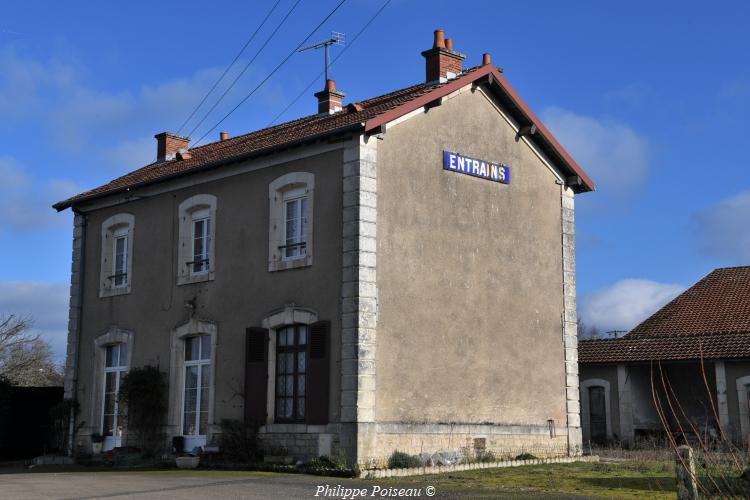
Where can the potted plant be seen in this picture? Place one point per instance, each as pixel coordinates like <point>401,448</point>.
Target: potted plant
<point>187,461</point>
<point>96,443</point>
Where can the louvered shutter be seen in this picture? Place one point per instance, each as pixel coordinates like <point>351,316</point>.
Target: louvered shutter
<point>318,373</point>
<point>256,375</point>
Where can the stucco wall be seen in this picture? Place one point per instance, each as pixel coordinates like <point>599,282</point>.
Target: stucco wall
<point>469,275</point>
<point>243,292</point>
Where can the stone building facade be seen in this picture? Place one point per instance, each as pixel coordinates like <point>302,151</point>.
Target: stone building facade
<point>392,274</point>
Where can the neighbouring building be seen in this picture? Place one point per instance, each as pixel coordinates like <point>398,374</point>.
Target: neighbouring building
<point>392,274</point>
<point>685,367</point>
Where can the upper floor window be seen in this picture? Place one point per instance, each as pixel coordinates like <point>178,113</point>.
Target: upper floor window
<point>116,255</point>
<point>201,241</point>
<point>290,225</point>
<point>295,227</point>
<point>197,221</point>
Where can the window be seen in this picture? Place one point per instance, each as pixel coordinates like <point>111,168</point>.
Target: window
<point>196,385</point>
<point>115,366</point>
<point>290,236</point>
<point>201,241</point>
<point>116,255</point>
<point>291,364</point>
<point>120,258</point>
<point>197,236</point>
<point>295,228</point>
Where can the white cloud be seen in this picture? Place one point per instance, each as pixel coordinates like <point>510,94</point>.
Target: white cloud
<point>45,303</point>
<point>614,155</point>
<point>723,229</point>
<point>625,304</point>
<point>26,205</point>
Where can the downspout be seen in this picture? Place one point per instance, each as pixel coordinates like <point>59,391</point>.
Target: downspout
<point>76,331</point>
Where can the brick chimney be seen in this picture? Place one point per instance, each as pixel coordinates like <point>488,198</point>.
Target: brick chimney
<point>329,99</point>
<point>167,144</point>
<point>441,61</point>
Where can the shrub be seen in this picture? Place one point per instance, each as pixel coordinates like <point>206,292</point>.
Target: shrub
<point>525,456</point>
<point>486,457</point>
<point>401,460</point>
<point>59,416</point>
<point>143,397</point>
<point>238,442</point>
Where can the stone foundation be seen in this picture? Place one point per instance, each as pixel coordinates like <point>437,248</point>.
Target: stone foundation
<point>504,441</point>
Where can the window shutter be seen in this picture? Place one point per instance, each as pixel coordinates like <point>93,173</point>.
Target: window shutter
<point>256,375</point>
<point>318,373</point>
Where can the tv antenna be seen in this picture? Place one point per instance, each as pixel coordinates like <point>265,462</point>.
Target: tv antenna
<point>336,39</point>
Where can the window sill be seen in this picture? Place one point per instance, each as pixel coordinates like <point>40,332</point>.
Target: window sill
<point>112,292</point>
<point>195,278</point>
<point>282,265</point>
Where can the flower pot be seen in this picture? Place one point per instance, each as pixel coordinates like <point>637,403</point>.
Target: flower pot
<point>187,462</point>
<point>96,448</point>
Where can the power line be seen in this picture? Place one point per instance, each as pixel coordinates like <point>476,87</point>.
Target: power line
<point>252,37</point>
<point>236,79</point>
<point>332,62</point>
<point>289,56</point>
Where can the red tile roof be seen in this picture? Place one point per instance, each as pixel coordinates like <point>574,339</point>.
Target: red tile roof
<point>367,115</point>
<point>710,319</point>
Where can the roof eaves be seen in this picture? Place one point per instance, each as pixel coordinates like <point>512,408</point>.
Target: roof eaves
<point>70,202</point>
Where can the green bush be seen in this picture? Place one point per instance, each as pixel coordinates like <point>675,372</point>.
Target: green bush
<point>143,397</point>
<point>401,460</point>
<point>525,456</point>
<point>238,442</point>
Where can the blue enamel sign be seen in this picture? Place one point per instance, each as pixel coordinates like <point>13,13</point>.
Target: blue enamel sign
<point>497,172</point>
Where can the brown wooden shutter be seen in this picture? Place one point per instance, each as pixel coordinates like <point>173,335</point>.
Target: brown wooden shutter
<point>318,373</point>
<point>256,375</point>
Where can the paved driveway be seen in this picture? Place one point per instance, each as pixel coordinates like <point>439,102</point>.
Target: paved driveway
<point>201,485</point>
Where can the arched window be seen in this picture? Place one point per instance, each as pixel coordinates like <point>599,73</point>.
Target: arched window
<point>290,225</point>
<point>196,261</point>
<point>115,367</point>
<point>112,354</point>
<point>116,255</point>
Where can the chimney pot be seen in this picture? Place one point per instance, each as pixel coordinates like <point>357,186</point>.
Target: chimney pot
<point>223,136</point>
<point>486,59</point>
<point>439,42</point>
<point>168,144</point>
<point>442,62</point>
<point>329,99</point>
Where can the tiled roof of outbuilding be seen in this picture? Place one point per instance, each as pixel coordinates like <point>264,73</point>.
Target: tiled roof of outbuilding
<point>367,115</point>
<point>711,319</point>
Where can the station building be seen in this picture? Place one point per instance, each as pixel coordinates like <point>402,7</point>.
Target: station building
<point>391,274</point>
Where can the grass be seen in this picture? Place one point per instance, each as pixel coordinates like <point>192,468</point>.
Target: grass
<point>625,480</point>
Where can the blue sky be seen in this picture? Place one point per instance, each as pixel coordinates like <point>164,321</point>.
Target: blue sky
<point>650,97</point>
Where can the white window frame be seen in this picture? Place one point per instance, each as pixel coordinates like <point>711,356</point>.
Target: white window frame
<point>204,216</point>
<point>119,371</point>
<point>284,189</point>
<point>113,228</point>
<point>200,363</point>
<point>113,335</point>
<point>299,245</point>
<point>192,328</point>
<point>190,210</point>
